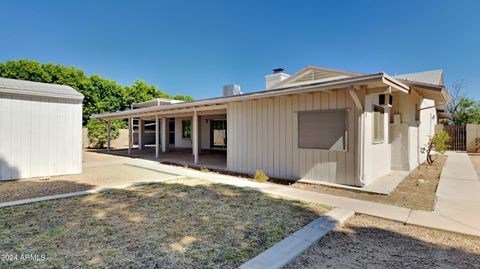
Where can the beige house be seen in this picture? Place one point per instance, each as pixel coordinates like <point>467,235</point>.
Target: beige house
<point>319,125</point>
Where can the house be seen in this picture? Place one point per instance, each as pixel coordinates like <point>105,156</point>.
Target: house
<point>40,129</point>
<point>319,125</point>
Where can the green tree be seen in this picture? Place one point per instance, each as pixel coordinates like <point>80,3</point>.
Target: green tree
<point>97,133</point>
<point>468,112</point>
<point>101,95</point>
<point>439,143</point>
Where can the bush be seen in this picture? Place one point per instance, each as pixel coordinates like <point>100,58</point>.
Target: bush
<point>439,143</point>
<point>97,131</point>
<point>260,176</point>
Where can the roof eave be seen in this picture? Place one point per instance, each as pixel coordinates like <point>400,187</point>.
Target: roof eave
<point>361,80</point>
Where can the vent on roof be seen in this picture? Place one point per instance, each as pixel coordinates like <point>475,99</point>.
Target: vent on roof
<point>316,75</point>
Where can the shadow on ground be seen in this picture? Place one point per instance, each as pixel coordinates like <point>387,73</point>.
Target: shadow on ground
<point>184,224</point>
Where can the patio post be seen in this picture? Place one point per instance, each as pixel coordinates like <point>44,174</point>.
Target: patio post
<point>108,134</point>
<point>164,134</point>
<point>195,136</point>
<point>130,135</point>
<point>157,141</point>
<point>141,130</point>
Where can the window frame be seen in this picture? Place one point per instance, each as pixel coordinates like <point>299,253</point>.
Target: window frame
<point>374,139</point>
<point>184,132</point>
<point>345,135</point>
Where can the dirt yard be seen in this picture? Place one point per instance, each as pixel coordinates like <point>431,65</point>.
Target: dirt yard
<point>368,242</point>
<point>475,158</point>
<point>92,177</point>
<point>416,191</point>
<point>179,224</point>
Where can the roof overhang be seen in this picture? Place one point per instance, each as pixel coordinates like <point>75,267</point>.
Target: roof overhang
<point>433,92</point>
<point>379,79</point>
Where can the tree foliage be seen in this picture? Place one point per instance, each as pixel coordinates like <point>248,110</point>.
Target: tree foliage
<point>101,95</point>
<point>439,143</point>
<point>97,131</point>
<point>463,110</point>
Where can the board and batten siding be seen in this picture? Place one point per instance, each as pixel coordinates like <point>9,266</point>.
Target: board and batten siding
<point>262,134</point>
<point>39,136</point>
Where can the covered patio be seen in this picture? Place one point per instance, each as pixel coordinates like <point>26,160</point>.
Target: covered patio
<point>192,135</point>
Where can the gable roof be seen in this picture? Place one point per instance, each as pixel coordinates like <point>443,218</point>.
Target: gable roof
<point>311,74</point>
<point>24,87</point>
<point>433,77</point>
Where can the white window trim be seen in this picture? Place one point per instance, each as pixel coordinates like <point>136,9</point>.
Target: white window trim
<point>380,140</point>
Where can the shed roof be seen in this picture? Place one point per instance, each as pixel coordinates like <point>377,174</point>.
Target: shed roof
<point>24,87</point>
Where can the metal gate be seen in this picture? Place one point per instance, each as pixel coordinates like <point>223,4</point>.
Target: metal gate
<point>458,137</point>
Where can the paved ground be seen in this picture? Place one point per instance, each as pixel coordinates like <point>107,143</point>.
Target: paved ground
<point>458,193</point>
<point>369,242</point>
<point>100,171</point>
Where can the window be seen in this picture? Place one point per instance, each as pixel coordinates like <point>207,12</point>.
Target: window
<point>323,129</point>
<point>378,124</point>
<point>218,133</point>
<point>187,129</point>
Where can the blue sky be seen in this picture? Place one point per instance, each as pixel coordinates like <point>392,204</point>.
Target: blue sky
<point>195,47</point>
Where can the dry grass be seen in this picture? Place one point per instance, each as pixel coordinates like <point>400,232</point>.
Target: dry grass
<point>183,224</point>
<point>416,191</point>
<point>90,178</point>
<point>369,242</point>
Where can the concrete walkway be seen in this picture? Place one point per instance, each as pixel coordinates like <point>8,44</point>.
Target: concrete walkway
<point>436,219</point>
<point>458,192</point>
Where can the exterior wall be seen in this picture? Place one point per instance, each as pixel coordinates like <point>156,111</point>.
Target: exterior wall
<point>205,129</point>
<point>39,136</point>
<point>262,134</point>
<point>377,155</point>
<point>181,142</point>
<point>426,127</point>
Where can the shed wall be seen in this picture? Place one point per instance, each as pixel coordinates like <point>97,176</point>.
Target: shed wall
<point>262,134</point>
<point>39,136</point>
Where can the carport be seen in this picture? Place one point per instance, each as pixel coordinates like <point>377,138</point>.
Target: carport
<point>187,135</point>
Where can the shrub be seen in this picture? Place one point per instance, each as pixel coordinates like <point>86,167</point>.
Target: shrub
<point>439,143</point>
<point>97,131</point>
<point>260,176</point>
<point>204,169</point>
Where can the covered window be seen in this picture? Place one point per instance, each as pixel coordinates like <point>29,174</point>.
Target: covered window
<point>323,129</point>
<point>378,124</point>
<point>186,129</point>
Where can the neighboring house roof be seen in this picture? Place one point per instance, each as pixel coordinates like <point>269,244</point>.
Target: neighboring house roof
<point>434,77</point>
<point>17,86</point>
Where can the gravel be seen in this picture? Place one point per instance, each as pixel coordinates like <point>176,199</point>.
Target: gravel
<point>370,242</point>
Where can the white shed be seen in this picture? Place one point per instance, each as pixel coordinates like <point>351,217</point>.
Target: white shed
<point>40,129</point>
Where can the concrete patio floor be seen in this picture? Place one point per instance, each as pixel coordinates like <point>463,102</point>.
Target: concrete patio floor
<point>207,158</point>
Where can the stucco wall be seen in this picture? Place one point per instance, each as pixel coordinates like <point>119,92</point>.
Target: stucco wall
<point>377,155</point>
